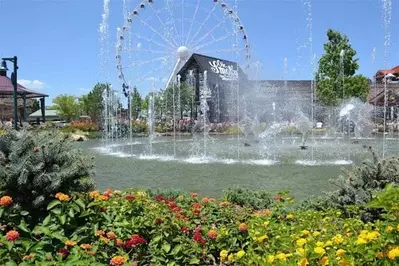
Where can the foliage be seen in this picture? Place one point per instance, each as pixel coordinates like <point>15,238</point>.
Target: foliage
<point>139,127</point>
<point>92,103</point>
<point>388,199</point>
<point>171,96</point>
<point>336,79</point>
<point>84,126</point>
<point>66,106</point>
<point>36,165</point>
<point>35,106</point>
<point>134,228</point>
<point>136,103</point>
<point>358,186</point>
<point>257,199</point>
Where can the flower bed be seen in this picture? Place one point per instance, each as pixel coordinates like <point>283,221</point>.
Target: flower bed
<point>121,228</point>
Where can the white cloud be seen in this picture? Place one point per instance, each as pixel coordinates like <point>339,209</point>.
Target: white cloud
<point>32,84</point>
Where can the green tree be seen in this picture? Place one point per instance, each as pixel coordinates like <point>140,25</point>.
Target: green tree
<point>92,103</point>
<point>136,103</point>
<point>34,106</point>
<point>66,106</point>
<point>186,98</point>
<point>335,78</point>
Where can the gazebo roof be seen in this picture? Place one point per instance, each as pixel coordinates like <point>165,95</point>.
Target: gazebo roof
<point>7,89</point>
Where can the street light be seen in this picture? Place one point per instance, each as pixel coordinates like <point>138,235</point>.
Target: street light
<point>14,60</point>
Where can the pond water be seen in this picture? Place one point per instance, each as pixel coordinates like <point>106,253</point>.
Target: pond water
<point>181,163</point>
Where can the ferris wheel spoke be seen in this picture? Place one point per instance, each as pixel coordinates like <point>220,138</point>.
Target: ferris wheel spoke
<point>149,74</point>
<point>151,41</point>
<point>192,22</point>
<point>156,32</point>
<point>162,23</point>
<point>215,41</point>
<point>161,58</point>
<point>173,20</point>
<point>140,50</point>
<point>209,32</point>
<point>203,24</point>
<point>223,50</point>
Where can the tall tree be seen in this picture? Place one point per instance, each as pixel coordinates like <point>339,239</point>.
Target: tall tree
<point>136,103</point>
<point>335,78</point>
<point>92,103</point>
<point>186,98</point>
<point>67,107</point>
<point>34,106</point>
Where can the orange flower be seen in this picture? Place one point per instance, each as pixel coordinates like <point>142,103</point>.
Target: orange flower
<point>62,196</point>
<point>193,194</point>
<point>242,227</point>
<point>117,261</point>
<point>28,257</point>
<point>91,253</point>
<point>108,193</point>
<point>5,201</point>
<point>267,212</point>
<point>94,194</point>
<point>111,235</point>
<point>103,197</point>
<point>205,200</point>
<point>224,204</point>
<point>212,234</point>
<point>12,235</point>
<point>212,199</point>
<point>70,243</point>
<point>100,233</point>
<point>104,239</point>
<point>119,242</point>
<point>85,246</point>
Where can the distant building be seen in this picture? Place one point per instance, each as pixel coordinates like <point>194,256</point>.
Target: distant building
<point>391,75</point>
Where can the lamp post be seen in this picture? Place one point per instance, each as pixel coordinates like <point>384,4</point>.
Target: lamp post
<point>14,60</point>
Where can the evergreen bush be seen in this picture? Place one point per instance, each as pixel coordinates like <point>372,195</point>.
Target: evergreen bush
<point>36,165</point>
<point>257,199</point>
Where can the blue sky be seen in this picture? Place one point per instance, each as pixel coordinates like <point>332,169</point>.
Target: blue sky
<point>57,41</point>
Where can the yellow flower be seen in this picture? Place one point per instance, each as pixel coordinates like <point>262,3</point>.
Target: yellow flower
<point>328,243</point>
<point>305,232</point>
<point>262,238</point>
<point>338,239</point>
<point>270,259</point>
<point>319,250</point>
<point>301,241</point>
<point>389,229</point>
<point>361,241</point>
<point>104,239</point>
<point>319,244</point>
<point>379,255</point>
<point>230,258</point>
<point>324,261</point>
<point>343,262</point>
<point>70,243</point>
<point>393,253</point>
<point>281,256</point>
<point>266,223</point>
<point>240,254</point>
<point>300,251</point>
<point>340,252</point>
<point>316,233</point>
<point>303,262</point>
<point>94,194</point>
<point>290,216</point>
<point>223,254</point>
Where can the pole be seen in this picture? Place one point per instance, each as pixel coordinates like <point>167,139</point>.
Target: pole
<point>15,78</point>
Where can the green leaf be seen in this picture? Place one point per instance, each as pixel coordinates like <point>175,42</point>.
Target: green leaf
<point>156,239</point>
<point>11,263</point>
<point>71,213</point>
<point>47,220</point>
<point>166,247</point>
<point>53,203</point>
<point>56,211</point>
<point>1,212</point>
<point>62,219</point>
<point>23,226</point>
<point>176,249</point>
<point>194,261</point>
<point>24,213</point>
<point>80,203</point>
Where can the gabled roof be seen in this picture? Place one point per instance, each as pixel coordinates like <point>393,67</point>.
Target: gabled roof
<point>6,88</point>
<point>382,72</point>
<point>218,69</point>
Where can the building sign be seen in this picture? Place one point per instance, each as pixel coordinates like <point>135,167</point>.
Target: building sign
<point>224,71</point>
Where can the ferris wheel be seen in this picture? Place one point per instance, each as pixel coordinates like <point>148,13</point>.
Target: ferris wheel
<point>158,36</point>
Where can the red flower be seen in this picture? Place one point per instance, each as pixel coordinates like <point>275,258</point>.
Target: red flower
<point>63,252</point>
<point>194,195</point>
<point>158,221</point>
<point>35,149</point>
<point>130,197</point>
<point>103,209</point>
<point>197,206</point>
<point>242,227</point>
<point>5,201</point>
<point>12,236</point>
<point>278,198</point>
<point>108,193</point>
<point>196,211</point>
<point>197,237</point>
<point>185,230</point>
<point>117,261</point>
<point>134,241</point>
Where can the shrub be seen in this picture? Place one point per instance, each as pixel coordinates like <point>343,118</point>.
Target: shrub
<point>257,199</point>
<point>34,166</point>
<point>139,127</point>
<point>84,126</point>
